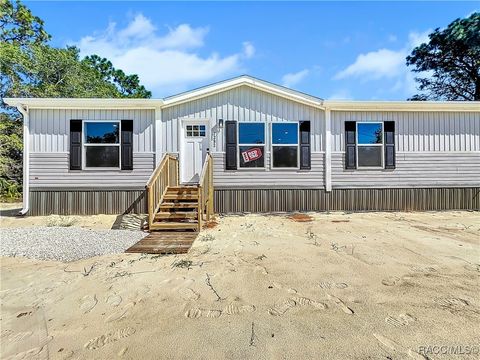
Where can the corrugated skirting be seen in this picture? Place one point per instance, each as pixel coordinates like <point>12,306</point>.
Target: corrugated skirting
<point>286,200</point>
<point>87,202</point>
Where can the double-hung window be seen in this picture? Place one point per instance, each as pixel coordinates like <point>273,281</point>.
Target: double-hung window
<point>370,144</point>
<point>251,145</point>
<point>285,145</point>
<point>101,144</point>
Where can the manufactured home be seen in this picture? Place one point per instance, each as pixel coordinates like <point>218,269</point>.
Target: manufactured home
<point>247,145</point>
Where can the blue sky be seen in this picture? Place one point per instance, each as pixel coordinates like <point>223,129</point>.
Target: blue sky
<point>333,50</point>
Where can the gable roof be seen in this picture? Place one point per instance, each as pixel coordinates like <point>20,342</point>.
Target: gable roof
<point>243,80</point>
<point>252,82</point>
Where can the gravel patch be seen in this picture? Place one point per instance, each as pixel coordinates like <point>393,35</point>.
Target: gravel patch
<point>65,243</point>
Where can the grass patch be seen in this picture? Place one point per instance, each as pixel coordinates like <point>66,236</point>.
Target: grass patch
<point>60,221</point>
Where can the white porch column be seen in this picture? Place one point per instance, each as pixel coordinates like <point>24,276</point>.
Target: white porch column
<point>158,136</point>
<point>328,150</point>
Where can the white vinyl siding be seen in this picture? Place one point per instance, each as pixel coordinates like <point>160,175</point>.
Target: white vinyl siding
<point>417,131</point>
<point>50,142</point>
<point>50,129</point>
<point>413,169</point>
<point>242,104</point>
<point>51,170</point>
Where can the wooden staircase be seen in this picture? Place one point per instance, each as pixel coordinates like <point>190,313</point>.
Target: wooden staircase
<point>175,207</point>
<point>178,209</point>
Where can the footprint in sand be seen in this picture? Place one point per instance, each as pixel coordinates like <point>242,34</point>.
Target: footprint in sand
<point>188,294</point>
<point>196,313</point>
<point>472,267</point>
<point>452,303</point>
<point>120,313</point>
<point>282,308</point>
<point>400,320</point>
<point>332,285</point>
<point>341,305</point>
<point>390,281</point>
<point>424,269</point>
<point>234,309</point>
<point>34,353</point>
<point>114,300</point>
<point>108,338</point>
<point>19,336</point>
<point>87,303</point>
<point>393,345</point>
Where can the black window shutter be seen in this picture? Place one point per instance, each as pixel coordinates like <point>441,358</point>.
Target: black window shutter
<point>75,144</point>
<point>305,148</point>
<point>127,144</point>
<point>350,145</point>
<point>230,145</point>
<point>389,134</point>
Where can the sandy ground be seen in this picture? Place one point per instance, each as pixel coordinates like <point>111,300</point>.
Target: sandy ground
<point>9,218</point>
<point>344,286</point>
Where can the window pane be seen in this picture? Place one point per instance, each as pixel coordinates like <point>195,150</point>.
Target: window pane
<point>251,133</point>
<point>285,156</point>
<point>284,134</point>
<point>102,156</point>
<point>369,133</point>
<point>101,132</point>
<point>252,156</point>
<point>370,156</point>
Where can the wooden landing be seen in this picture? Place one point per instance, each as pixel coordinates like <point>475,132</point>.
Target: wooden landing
<point>171,242</point>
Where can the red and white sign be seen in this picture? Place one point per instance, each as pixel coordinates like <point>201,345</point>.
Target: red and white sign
<point>252,154</point>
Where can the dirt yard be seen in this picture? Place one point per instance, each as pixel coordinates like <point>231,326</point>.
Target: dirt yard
<point>342,286</point>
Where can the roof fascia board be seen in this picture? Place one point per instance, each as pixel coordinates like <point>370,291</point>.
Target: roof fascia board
<point>237,82</point>
<point>64,103</point>
<point>458,106</point>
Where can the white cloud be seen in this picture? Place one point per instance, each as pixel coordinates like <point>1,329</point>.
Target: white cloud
<point>166,63</point>
<point>415,38</point>
<point>342,94</point>
<point>248,49</point>
<point>292,79</point>
<point>386,64</point>
<point>375,65</point>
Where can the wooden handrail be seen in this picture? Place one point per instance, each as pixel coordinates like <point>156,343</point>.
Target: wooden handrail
<point>165,175</point>
<point>205,191</point>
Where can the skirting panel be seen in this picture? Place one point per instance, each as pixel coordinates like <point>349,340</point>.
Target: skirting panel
<point>286,200</point>
<point>87,202</point>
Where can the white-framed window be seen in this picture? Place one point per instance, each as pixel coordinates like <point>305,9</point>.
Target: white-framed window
<point>370,145</point>
<point>196,130</point>
<point>251,144</point>
<point>285,143</point>
<point>101,144</point>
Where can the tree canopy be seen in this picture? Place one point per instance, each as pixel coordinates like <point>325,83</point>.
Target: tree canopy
<point>450,62</point>
<point>30,67</point>
<point>19,25</point>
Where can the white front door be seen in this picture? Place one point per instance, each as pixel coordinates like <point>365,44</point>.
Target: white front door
<point>193,150</point>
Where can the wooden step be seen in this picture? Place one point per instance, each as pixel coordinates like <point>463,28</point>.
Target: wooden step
<point>169,196</point>
<point>178,205</point>
<point>176,215</point>
<point>170,225</point>
<point>183,189</point>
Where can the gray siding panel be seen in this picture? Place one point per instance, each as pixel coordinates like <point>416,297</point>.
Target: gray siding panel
<point>288,200</point>
<point>413,169</point>
<point>268,178</point>
<point>87,202</point>
<point>52,170</point>
<point>240,104</point>
<point>49,128</point>
<point>418,131</point>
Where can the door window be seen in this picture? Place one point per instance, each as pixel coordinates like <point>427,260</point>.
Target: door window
<point>196,130</point>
